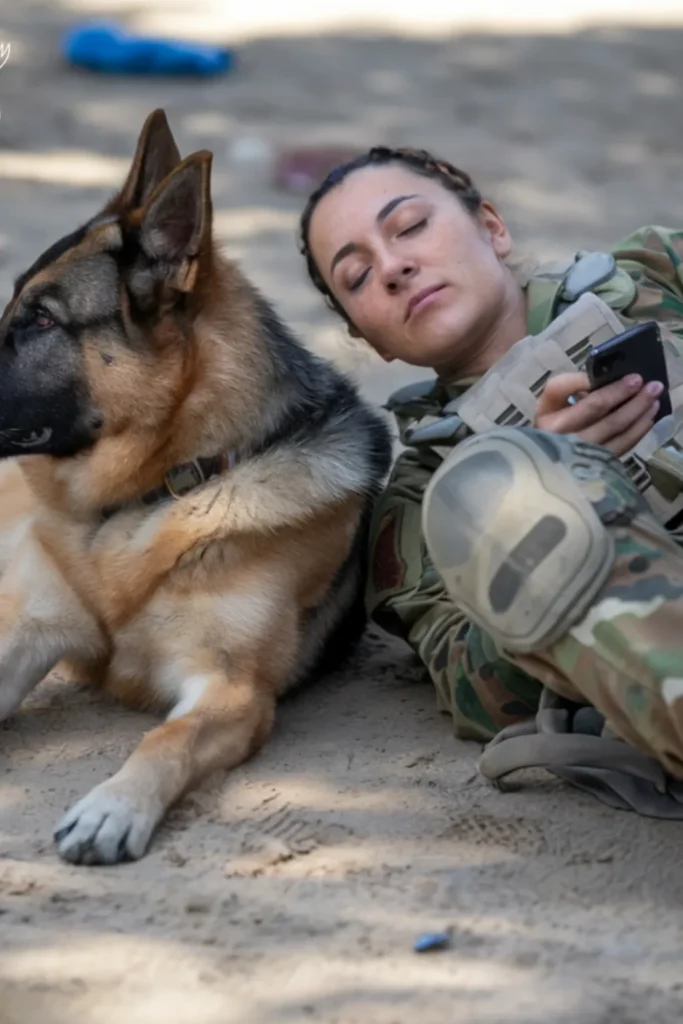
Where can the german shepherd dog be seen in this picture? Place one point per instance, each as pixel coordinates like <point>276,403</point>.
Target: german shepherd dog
<point>184,493</point>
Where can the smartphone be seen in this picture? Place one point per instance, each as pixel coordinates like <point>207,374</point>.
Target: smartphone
<point>638,350</point>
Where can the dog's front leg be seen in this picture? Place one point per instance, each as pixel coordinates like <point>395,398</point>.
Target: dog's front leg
<point>42,621</point>
<point>218,723</point>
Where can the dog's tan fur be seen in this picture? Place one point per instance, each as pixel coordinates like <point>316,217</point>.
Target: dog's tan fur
<point>195,604</point>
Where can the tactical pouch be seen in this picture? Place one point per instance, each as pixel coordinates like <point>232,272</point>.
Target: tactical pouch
<point>506,396</point>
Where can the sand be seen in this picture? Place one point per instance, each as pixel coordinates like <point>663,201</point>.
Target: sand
<point>294,888</point>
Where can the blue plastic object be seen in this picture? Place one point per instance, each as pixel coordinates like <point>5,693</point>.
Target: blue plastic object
<point>107,48</point>
<point>431,941</point>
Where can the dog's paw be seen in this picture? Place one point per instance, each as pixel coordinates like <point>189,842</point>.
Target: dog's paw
<point>105,827</point>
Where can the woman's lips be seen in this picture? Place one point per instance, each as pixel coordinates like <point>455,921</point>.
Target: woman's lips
<point>421,299</point>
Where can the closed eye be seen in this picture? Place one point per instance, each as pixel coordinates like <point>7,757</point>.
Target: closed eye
<point>355,285</point>
<point>414,228</point>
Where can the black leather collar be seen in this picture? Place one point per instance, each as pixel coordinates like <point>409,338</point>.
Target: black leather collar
<point>178,481</point>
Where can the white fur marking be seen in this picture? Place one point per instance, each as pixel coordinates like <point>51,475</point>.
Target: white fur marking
<point>192,690</point>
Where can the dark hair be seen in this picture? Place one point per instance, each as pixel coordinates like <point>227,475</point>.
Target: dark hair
<point>418,160</point>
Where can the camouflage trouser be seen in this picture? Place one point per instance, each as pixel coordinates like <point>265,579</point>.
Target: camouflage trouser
<point>623,657</point>
<point>626,657</point>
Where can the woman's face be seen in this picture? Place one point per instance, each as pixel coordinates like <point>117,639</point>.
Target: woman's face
<point>421,278</point>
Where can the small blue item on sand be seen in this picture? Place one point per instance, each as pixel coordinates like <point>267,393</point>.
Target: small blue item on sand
<point>429,942</point>
<point>105,47</point>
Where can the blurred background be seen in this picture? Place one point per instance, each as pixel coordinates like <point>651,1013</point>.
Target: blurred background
<point>569,117</point>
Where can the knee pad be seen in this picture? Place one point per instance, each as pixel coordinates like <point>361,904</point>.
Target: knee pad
<point>514,522</point>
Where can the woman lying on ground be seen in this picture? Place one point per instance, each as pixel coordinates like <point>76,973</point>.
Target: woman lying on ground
<point>405,250</point>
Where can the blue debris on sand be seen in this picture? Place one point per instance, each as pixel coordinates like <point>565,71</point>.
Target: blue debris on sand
<point>105,47</point>
<point>431,941</point>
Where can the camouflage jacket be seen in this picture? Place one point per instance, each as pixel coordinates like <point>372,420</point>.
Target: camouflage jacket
<point>404,594</point>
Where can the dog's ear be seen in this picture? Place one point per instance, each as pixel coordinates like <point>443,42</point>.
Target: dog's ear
<point>175,226</point>
<point>155,157</point>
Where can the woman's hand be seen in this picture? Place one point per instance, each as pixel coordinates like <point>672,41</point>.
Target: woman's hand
<point>616,416</point>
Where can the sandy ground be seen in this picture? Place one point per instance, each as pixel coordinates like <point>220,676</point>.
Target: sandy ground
<point>294,889</point>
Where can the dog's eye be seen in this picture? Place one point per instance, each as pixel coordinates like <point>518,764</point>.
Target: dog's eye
<point>43,319</point>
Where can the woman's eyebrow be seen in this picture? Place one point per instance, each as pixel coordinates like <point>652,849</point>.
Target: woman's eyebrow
<point>391,205</point>
<point>350,247</point>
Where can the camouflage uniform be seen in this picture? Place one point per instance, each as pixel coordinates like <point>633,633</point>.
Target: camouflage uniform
<point>625,658</point>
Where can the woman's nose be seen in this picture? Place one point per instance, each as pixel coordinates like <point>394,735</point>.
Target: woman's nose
<point>398,273</point>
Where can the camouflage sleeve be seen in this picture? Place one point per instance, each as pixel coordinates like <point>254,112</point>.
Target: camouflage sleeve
<point>653,258</point>
<point>405,596</point>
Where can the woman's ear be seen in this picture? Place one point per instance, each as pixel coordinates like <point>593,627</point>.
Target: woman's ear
<point>495,227</point>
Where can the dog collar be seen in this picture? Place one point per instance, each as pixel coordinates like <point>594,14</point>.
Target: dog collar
<point>178,481</point>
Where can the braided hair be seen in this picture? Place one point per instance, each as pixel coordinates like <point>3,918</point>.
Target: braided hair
<point>418,160</point>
